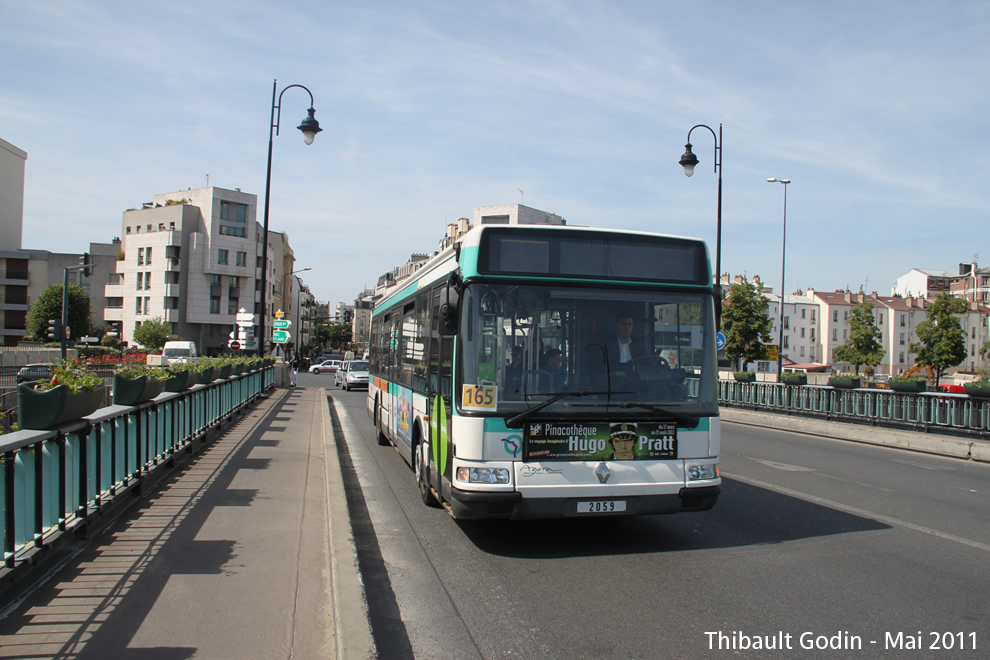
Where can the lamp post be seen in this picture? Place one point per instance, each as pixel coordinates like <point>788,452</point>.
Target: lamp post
<point>783,252</point>
<point>298,301</point>
<point>688,162</point>
<point>309,127</point>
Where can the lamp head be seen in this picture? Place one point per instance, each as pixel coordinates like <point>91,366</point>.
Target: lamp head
<point>688,160</point>
<point>309,127</point>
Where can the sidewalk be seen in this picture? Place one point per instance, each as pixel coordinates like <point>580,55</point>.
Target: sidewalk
<point>245,551</point>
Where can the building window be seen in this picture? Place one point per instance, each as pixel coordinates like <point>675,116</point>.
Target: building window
<point>222,257</point>
<point>802,333</point>
<point>140,257</point>
<point>835,316</point>
<point>903,321</point>
<point>147,280</point>
<point>900,358</point>
<point>214,305</point>
<point>835,335</point>
<point>140,281</point>
<point>242,258</point>
<point>137,305</point>
<point>902,339</point>
<point>147,305</point>
<point>147,257</point>
<point>802,351</point>
<point>233,219</point>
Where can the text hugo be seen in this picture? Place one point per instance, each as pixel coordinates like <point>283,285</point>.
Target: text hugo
<point>600,444</point>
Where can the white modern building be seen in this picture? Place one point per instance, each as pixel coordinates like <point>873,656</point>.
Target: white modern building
<point>193,258</point>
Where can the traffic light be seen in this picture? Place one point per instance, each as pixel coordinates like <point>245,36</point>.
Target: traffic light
<point>54,332</point>
<point>86,259</point>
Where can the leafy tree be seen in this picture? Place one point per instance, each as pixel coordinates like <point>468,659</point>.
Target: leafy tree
<point>943,342</point>
<point>864,345</point>
<point>153,334</point>
<point>745,323</point>
<point>322,334</point>
<point>49,306</point>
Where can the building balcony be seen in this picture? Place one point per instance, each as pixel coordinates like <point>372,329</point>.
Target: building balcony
<point>172,265</point>
<point>172,290</point>
<point>171,316</point>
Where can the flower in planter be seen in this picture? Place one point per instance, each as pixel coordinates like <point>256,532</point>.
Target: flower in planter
<point>73,374</point>
<point>137,370</point>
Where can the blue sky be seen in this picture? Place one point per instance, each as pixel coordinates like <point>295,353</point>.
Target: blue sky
<point>876,110</point>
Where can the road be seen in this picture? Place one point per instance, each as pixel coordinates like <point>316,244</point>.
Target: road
<point>813,542</point>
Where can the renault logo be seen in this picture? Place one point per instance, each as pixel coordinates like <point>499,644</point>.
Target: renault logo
<point>603,472</point>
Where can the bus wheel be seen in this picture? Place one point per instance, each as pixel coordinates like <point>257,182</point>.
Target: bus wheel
<point>423,478</point>
<point>382,438</point>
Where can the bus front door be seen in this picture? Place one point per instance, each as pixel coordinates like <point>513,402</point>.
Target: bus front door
<point>441,411</point>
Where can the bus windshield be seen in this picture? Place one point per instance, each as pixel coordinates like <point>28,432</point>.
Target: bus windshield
<point>624,353</point>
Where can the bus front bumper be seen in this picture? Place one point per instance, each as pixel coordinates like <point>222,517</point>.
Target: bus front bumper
<point>473,505</point>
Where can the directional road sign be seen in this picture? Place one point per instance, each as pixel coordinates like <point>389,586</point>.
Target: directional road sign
<point>719,341</point>
<point>281,323</point>
<point>280,336</point>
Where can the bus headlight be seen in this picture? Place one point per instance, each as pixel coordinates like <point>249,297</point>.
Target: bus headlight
<point>477,475</point>
<point>706,471</point>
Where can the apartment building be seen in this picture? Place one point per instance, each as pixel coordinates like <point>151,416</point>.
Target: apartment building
<point>193,258</point>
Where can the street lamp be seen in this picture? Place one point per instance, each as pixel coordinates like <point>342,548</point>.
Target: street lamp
<point>688,162</point>
<point>783,252</point>
<point>298,301</point>
<point>309,127</point>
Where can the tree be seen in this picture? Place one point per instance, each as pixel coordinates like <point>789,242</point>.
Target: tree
<point>943,342</point>
<point>153,334</point>
<point>864,345</point>
<point>745,323</point>
<point>49,306</point>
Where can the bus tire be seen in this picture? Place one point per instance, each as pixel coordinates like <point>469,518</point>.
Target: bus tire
<point>382,438</point>
<point>423,478</point>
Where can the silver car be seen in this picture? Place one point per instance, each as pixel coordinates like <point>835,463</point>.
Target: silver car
<point>354,375</point>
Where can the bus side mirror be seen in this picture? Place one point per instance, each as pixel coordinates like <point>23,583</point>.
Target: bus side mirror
<point>449,308</point>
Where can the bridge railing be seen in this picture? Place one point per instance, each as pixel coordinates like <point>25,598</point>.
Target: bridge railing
<point>53,481</point>
<point>939,412</point>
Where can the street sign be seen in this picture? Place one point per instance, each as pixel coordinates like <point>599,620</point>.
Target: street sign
<point>772,353</point>
<point>280,336</point>
<point>235,345</point>
<point>281,323</point>
<point>719,340</point>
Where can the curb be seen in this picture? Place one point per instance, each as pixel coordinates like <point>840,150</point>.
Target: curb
<point>352,623</point>
<point>929,443</point>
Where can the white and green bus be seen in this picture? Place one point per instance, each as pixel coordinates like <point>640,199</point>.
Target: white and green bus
<point>542,372</point>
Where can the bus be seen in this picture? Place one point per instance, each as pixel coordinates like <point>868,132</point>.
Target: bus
<point>532,372</point>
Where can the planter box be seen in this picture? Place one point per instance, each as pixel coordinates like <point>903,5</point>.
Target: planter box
<point>980,389</point>
<point>206,376</point>
<point>794,379</point>
<point>223,372</point>
<point>744,376</point>
<point>182,380</point>
<point>908,385</point>
<point>845,383</point>
<point>132,391</point>
<point>54,407</point>
<point>238,369</point>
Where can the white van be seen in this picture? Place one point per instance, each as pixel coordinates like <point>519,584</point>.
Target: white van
<point>179,351</point>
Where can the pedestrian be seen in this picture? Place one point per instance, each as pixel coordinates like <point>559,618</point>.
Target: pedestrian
<point>293,369</point>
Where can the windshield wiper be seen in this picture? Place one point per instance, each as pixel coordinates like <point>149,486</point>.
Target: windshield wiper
<point>688,421</point>
<point>515,422</point>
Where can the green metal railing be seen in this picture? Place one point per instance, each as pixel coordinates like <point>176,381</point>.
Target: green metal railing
<point>52,481</point>
<point>924,411</point>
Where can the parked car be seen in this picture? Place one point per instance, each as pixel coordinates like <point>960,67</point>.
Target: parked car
<point>327,366</point>
<point>338,378</point>
<point>355,376</point>
<point>32,372</point>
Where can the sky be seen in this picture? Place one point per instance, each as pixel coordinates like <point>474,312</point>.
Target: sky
<point>875,110</point>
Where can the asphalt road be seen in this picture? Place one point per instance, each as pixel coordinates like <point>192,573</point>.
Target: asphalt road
<point>813,543</point>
